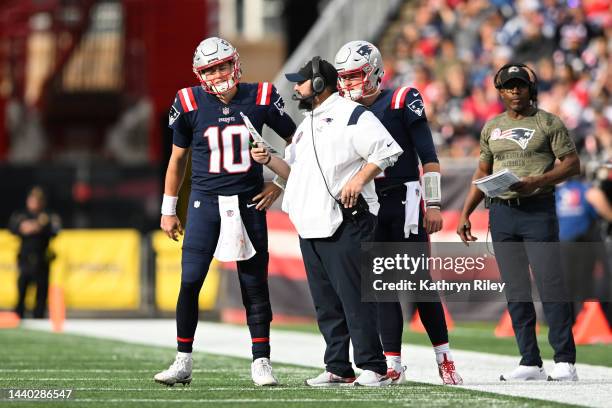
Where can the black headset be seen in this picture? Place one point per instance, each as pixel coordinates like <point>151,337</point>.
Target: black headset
<point>318,82</point>
<point>533,80</point>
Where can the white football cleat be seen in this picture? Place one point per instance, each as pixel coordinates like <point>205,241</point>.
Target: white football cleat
<point>525,373</point>
<point>261,372</point>
<point>448,373</point>
<point>179,372</point>
<point>327,379</point>
<point>370,378</point>
<point>563,372</point>
<point>397,375</point>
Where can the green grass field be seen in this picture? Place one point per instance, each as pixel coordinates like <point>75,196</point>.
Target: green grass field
<point>478,336</point>
<point>105,373</point>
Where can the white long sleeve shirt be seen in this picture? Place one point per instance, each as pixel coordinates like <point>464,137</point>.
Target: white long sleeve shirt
<point>342,149</point>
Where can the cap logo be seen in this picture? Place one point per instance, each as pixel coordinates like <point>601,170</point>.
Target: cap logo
<point>513,69</point>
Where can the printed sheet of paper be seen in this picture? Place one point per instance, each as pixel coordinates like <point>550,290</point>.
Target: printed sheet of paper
<point>255,134</point>
<point>496,184</point>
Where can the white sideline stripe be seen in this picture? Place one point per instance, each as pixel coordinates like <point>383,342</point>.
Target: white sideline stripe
<point>70,379</point>
<point>157,387</point>
<point>96,370</point>
<point>241,400</point>
<point>480,371</point>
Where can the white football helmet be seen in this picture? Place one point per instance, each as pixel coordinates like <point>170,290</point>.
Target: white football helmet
<point>213,51</point>
<point>359,57</point>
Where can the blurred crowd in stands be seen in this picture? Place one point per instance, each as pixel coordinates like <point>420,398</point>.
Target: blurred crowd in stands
<point>450,50</point>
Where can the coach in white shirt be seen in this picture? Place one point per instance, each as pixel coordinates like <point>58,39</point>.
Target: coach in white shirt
<point>336,152</point>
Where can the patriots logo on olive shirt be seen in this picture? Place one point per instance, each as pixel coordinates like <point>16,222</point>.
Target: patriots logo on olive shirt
<point>520,136</point>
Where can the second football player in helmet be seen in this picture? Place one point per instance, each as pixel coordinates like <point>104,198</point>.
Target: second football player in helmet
<point>402,112</point>
<point>360,70</point>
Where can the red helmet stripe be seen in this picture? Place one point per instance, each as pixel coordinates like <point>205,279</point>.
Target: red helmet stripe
<point>399,96</point>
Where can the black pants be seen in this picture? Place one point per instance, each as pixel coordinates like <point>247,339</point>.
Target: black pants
<point>37,273</point>
<point>390,228</point>
<point>201,237</point>
<point>332,268</point>
<point>532,222</point>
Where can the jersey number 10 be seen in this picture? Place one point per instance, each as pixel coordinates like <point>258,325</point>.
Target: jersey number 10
<point>222,149</point>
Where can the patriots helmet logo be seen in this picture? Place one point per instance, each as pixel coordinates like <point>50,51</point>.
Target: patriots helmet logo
<point>417,106</point>
<point>365,51</point>
<point>520,136</point>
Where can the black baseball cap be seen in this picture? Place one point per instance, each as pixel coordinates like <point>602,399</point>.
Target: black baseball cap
<point>514,72</point>
<point>326,70</point>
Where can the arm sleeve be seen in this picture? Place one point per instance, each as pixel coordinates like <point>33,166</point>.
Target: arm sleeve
<point>178,121</point>
<point>277,118</point>
<point>423,141</point>
<point>290,150</point>
<point>373,142</point>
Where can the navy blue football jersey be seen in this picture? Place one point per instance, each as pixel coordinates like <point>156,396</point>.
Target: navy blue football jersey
<point>220,159</point>
<point>402,112</point>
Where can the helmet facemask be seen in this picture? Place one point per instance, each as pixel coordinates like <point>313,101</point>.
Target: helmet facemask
<point>223,84</point>
<point>358,88</point>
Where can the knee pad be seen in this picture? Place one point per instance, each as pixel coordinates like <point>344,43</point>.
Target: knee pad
<point>258,313</point>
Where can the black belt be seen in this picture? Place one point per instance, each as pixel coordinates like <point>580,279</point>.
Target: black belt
<point>520,201</point>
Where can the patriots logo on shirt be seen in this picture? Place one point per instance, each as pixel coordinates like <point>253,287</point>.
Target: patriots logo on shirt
<point>364,51</point>
<point>173,115</point>
<point>520,136</point>
<point>280,105</point>
<point>327,120</point>
<point>417,106</point>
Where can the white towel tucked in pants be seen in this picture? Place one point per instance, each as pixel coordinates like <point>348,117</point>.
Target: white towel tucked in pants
<point>234,243</point>
<point>412,208</point>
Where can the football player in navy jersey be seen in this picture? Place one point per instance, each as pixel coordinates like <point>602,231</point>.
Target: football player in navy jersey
<point>226,216</point>
<point>408,213</point>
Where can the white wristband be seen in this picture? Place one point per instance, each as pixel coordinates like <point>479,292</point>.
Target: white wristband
<point>279,181</point>
<point>168,206</point>
<point>432,191</point>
